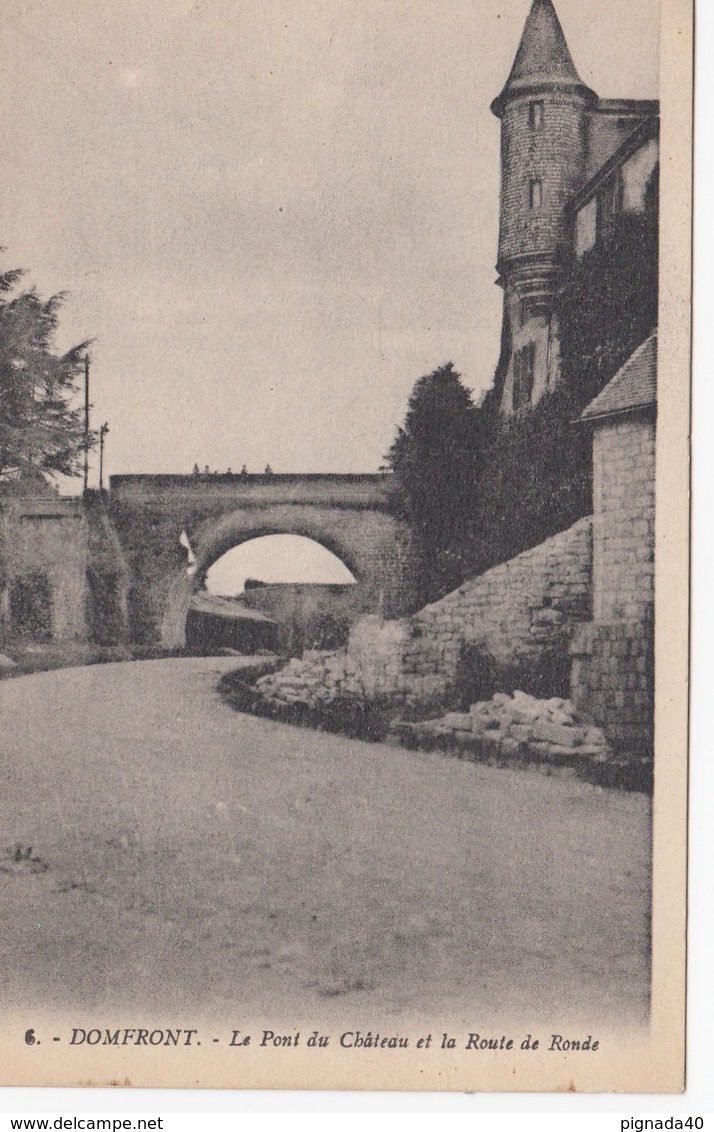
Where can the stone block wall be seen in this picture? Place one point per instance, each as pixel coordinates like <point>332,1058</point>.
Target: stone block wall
<point>517,611</point>
<point>309,615</point>
<point>62,575</point>
<point>623,524</point>
<point>613,681</point>
<point>149,516</point>
<point>556,155</point>
<point>44,557</point>
<point>613,657</point>
<point>376,653</point>
<point>517,615</point>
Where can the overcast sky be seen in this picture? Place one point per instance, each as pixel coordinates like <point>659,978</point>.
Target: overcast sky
<point>272,215</point>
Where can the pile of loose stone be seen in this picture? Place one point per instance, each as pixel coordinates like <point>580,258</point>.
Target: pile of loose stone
<point>502,728</point>
<point>317,679</point>
<point>508,727</point>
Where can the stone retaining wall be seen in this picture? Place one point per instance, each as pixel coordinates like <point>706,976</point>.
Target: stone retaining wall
<point>519,616</point>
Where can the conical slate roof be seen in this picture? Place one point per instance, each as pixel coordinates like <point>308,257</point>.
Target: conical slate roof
<point>543,57</point>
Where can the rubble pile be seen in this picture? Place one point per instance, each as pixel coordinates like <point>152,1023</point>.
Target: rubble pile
<point>506,728</point>
<point>517,726</point>
<point>316,680</point>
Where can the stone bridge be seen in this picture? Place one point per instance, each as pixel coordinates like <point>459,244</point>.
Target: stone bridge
<point>351,515</point>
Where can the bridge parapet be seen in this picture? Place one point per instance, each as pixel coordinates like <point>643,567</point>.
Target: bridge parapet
<point>359,490</point>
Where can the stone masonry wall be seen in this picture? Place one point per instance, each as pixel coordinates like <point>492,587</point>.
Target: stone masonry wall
<point>613,657</point>
<point>62,574</point>
<point>518,610</point>
<point>555,155</point>
<point>376,546</point>
<point>613,681</point>
<point>623,524</point>
<point>351,515</point>
<point>516,615</point>
<point>44,546</point>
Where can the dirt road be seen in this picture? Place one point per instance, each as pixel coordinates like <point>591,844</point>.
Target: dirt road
<point>175,856</point>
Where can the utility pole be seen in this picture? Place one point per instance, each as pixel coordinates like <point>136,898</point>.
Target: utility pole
<point>102,433</point>
<point>86,421</point>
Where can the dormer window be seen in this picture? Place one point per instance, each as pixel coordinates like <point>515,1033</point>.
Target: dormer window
<point>535,194</point>
<point>535,115</point>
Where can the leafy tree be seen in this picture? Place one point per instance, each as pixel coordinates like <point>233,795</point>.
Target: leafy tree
<point>40,432</point>
<point>536,481</point>
<point>434,458</point>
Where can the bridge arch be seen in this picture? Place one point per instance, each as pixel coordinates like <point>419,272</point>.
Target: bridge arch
<point>373,585</point>
<point>351,516</point>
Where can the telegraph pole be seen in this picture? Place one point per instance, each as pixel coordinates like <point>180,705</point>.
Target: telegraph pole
<point>86,421</point>
<point>102,433</point>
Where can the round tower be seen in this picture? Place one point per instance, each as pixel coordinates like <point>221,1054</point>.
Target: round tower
<point>543,110</point>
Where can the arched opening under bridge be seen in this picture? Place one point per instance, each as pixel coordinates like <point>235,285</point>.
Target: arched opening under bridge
<point>282,592</point>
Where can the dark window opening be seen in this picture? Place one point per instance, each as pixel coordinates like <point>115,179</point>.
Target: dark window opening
<point>523,374</point>
<point>535,194</point>
<point>535,115</point>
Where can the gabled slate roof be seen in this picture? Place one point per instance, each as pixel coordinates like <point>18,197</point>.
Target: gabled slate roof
<point>633,387</point>
<point>543,57</point>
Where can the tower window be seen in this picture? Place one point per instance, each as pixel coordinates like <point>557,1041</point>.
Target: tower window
<point>618,192</point>
<point>535,115</point>
<point>523,373</point>
<point>610,203</point>
<point>535,194</point>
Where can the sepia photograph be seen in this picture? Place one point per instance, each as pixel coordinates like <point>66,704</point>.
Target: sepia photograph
<point>344,386</point>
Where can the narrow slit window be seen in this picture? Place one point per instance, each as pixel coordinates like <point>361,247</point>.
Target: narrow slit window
<point>535,115</point>
<point>610,203</point>
<point>618,192</point>
<point>535,194</point>
<point>523,375</point>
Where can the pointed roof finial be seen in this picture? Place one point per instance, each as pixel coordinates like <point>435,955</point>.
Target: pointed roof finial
<point>543,58</point>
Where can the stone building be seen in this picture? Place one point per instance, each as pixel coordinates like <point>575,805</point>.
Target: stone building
<point>570,163</point>
<point>63,577</point>
<point>44,550</point>
<point>613,670</point>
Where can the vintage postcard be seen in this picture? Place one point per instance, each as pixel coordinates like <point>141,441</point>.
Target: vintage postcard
<point>344,405</point>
